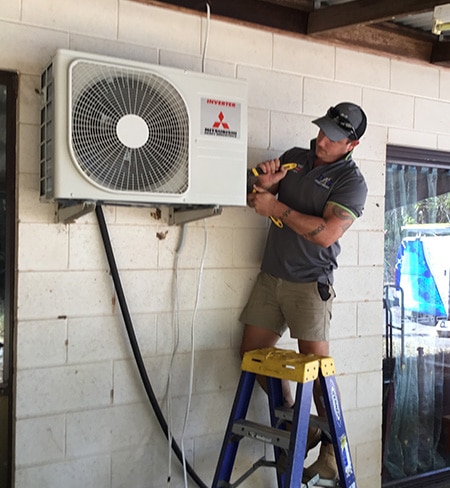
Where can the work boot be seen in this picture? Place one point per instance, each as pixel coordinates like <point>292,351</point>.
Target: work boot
<point>325,466</point>
<point>314,437</point>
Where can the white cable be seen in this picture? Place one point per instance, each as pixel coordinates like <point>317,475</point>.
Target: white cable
<point>176,341</point>
<point>205,43</point>
<point>175,317</point>
<point>191,371</point>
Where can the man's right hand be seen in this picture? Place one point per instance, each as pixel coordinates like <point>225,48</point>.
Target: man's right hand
<point>272,173</point>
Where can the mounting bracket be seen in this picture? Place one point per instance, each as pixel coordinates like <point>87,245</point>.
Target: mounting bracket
<point>67,214</point>
<point>181,215</point>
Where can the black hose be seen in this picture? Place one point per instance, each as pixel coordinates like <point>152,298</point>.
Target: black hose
<point>135,346</point>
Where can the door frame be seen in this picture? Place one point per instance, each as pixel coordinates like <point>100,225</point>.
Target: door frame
<point>414,156</point>
<point>10,80</point>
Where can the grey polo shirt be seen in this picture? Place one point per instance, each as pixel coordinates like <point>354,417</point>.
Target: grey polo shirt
<point>307,189</point>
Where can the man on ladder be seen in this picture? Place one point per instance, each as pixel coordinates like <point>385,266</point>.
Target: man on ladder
<point>316,202</point>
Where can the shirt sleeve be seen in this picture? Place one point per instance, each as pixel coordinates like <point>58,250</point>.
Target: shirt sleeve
<point>350,193</point>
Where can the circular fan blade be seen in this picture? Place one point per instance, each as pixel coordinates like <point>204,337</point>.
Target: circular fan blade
<point>130,129</point>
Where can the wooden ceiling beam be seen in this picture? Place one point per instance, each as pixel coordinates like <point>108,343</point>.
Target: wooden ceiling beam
<point>357,25</point>
<point>381,41</point>
<point>365,12</point>
<point>306,5</point>
<point>256,12</point>
<point>440,54</point>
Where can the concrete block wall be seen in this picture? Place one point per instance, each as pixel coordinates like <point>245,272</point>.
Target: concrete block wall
<point>82,418</point>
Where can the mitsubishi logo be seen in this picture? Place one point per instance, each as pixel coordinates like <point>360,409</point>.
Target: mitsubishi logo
<point>214,113</point>
<point>220,122</point>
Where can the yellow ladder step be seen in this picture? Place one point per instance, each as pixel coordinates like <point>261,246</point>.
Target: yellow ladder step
<point>286,364</point>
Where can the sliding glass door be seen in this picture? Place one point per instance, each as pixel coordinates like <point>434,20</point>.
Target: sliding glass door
<point>416,363</point>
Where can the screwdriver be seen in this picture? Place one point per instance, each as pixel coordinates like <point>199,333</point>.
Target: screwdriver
<point>258,171</point>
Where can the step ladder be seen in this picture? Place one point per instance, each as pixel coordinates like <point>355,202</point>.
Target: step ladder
<point>277,364</point>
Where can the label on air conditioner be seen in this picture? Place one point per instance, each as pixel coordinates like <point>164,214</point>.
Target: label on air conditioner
<point>220,118</point>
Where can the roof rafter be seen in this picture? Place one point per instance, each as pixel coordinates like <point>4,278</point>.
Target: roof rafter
<point>441,54</point>
<point>365,12</point>
<point>358,24</point>
<point>251,11</point>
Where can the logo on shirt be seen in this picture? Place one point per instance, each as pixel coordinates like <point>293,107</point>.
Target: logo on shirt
<point>298,168</point>
<point>324,181</point>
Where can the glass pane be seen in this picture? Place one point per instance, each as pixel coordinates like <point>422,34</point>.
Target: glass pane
<point>3,93</point>
<point>416,404</point>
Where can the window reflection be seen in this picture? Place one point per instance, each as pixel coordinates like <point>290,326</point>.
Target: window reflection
<point>416,363</point>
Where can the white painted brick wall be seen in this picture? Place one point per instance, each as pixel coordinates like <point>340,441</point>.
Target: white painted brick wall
<point>414,79</point>
<point>443,142</point>
<point>63,389</point>
<point>82,415</point>
<point>138,25</point>
<point>296,55</point>
<point>271,90</point>
<point>69,16</point>
<point>258,127</point>
<point>51,241</point>
<point>90,472</point>
<point>409,137</point>
<point>289,130</point>
<point>388,108</point>
<point>50,431</point>
<point>231,43</point>
<point>42,343</point>
<point>321,94</point>
<point>362,69</point>
<point>370,321</point>
<point>432,115</point>
<point>444,84</point>
<point>91,432</point>
<point>11,10</point>
<point>29,103</point>
<point>344,320</point>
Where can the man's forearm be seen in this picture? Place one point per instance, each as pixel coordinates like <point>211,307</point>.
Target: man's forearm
<point>323,231</point>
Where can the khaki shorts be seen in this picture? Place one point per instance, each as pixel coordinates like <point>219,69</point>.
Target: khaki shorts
<point>277,304</point>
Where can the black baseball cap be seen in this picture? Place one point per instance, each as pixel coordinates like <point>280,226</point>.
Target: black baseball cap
<point>345,120</point>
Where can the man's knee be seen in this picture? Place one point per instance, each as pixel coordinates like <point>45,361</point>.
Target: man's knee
<point>243,349</point>
<point>320,348</point>
<point>255,337</point>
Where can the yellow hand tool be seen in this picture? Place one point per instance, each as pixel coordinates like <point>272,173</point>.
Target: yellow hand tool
<point>252,175</point>
<point>258,171</point>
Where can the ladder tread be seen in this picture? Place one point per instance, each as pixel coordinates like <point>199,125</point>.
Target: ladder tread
<point>286,413</point>
<point>261,432</point>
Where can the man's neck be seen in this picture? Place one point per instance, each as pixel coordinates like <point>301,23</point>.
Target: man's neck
<point>319,162</point>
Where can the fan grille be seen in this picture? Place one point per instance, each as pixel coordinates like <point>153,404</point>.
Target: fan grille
<point>148,152</point>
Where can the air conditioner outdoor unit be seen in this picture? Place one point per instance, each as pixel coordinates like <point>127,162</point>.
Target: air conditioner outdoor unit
<point>124,132</point>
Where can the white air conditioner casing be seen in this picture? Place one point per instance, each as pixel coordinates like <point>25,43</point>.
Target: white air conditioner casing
<point>124,132</point>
